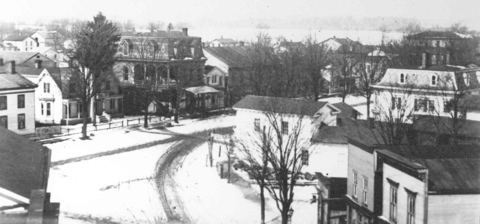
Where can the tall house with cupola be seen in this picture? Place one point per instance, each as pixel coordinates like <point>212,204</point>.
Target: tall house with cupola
<point>164,60</point>
<point>425,91</point>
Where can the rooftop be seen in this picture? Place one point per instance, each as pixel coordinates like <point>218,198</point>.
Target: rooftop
<point>226,41</point>
<point>452,169</point>
<point>24,165</point>
<point>236,56</point>
<point>19,56</point>
<point>438,35</point>
<point>280,105</point>
<point>202,89</point>
<point>16,37</point>
<point>15,81</point>
<point>443,125</point>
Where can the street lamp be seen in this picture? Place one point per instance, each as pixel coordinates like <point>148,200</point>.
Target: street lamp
<point>290,214</point>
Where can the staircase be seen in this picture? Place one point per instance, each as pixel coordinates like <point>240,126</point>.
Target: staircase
<point>102,119</point>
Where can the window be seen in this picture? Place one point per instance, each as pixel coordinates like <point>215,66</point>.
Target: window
<point>21,101</point>
<point>214,79</point>
<point>396,102</point>
<point>393,202</point>
<point>107,85</point>
<point>125,48</point>
<point>48,109</point>
<point>466,79</point>
<point>112,103</point>
<point>365,190</point>
<point>256,124</point>
<point>434,80</point>
<point>447,107</point>
<point>284,127</point>
<point>208,80</point>
<point>434,59</point>
<point>21,121</point>
<point>399,103</point>
<point>411,208</point>
<point>125,73</point>
<point>46,87</point>
<point>3,102</point>
<point>355,175</point>
<point>431,106</point>
<point>220,80</point>
<point>4,121</point>
<point>421,104</point>
<point>402,78</point>
<point>305,156</point>
<point>42,108</point>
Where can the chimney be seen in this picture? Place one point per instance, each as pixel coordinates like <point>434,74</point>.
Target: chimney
<point>11,68</point>
<point>38,63</point>
<point>185,31</point>
<point>448,58</point>
<point>424,60</point>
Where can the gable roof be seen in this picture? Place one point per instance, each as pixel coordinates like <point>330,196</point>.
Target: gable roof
<point>235,56</point>
<point>451,169</point>
<point>22,70</point>
<point>25,164</point>
<point>358,130</point>
<point>16,37</point>
<point>15,81</point>
<point>280,105</point>
<point>20,56</point>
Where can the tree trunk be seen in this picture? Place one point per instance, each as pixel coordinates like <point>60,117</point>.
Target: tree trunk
<point>94,115</point>
<point>85,121</point>
<point>285,215</point>
<point>368,105</point>
<point>262,203</point>
<point>145,117</point>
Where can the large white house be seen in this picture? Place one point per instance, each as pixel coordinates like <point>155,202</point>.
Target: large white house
<point>254,114</point>
<point>22,43</point>
<point>409,91</point>
<point>16,101</point>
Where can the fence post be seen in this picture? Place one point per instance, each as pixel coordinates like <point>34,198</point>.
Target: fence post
<point>138,120</point>
<point>127,122</point>
<point>68,131</point>
<point>109,125</point>
<point>122,123</point>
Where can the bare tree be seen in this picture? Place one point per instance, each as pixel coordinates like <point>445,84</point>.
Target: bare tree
<point>345,60</point>
<point>94,53</point>
<point>288,68</point>
<point>275,154</point>
<point>394,107</point>
<point>316,59</point>
<point>371,68</point>
<point>155,26</point>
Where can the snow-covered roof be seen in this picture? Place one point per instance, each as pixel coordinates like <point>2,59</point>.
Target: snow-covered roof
<point>202,89</point>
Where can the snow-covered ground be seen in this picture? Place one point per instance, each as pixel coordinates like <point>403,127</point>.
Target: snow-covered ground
<point>120,188</point>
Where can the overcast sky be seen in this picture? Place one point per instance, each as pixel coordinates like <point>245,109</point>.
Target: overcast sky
<point>442,12</point>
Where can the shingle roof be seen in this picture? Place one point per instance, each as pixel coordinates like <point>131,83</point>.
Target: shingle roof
<point>236,56</point>
<point>358,130</point>
<point>28,70</point>
<point>15,81</point>
<point>451,169</point>
<point>17,56</point>
<point>443,125</point>
<point>347,110</point>
<point>16,38</point>
<point>24,164</point>
<point>280,105</point>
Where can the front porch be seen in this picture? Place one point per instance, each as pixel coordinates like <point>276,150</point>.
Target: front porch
<point>202,98</point>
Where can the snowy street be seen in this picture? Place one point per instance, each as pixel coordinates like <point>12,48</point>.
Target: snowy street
<point>156,176</point>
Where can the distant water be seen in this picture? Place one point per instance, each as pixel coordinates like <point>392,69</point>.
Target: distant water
<point>249,34</point>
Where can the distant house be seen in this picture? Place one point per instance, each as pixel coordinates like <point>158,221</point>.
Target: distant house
<point>229,67</point>
<point>427,91</point>
<point>60,58</point>
<point>330,159</point>
<point>429,184</point>
<point>24,172</point>
<point>27,59</point>
<point>8,47</point>
<point>223,42</point>
<point>47,39</point>
<point>442,47</point>
<point>17,103</point>
<point>22,43</point>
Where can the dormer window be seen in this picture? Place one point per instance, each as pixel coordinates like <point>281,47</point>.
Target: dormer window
<point>402,78</point>
<point>125,48</point>
<point>466,79</point>
<point>433,80</point>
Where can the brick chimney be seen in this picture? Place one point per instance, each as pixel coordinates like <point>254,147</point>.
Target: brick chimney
<point>38,63</point>
<point>11,68</point>
<point>185,31</point>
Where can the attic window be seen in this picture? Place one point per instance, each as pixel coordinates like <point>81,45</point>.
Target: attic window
<point>466,79</point>
<point>402,78</point>
<point>433,80</point>
<point>125,48</point>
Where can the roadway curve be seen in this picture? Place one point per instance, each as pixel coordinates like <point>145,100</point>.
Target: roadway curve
<point>167,166</point>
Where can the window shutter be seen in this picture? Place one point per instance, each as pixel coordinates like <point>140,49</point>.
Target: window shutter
<point>416,104</point>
